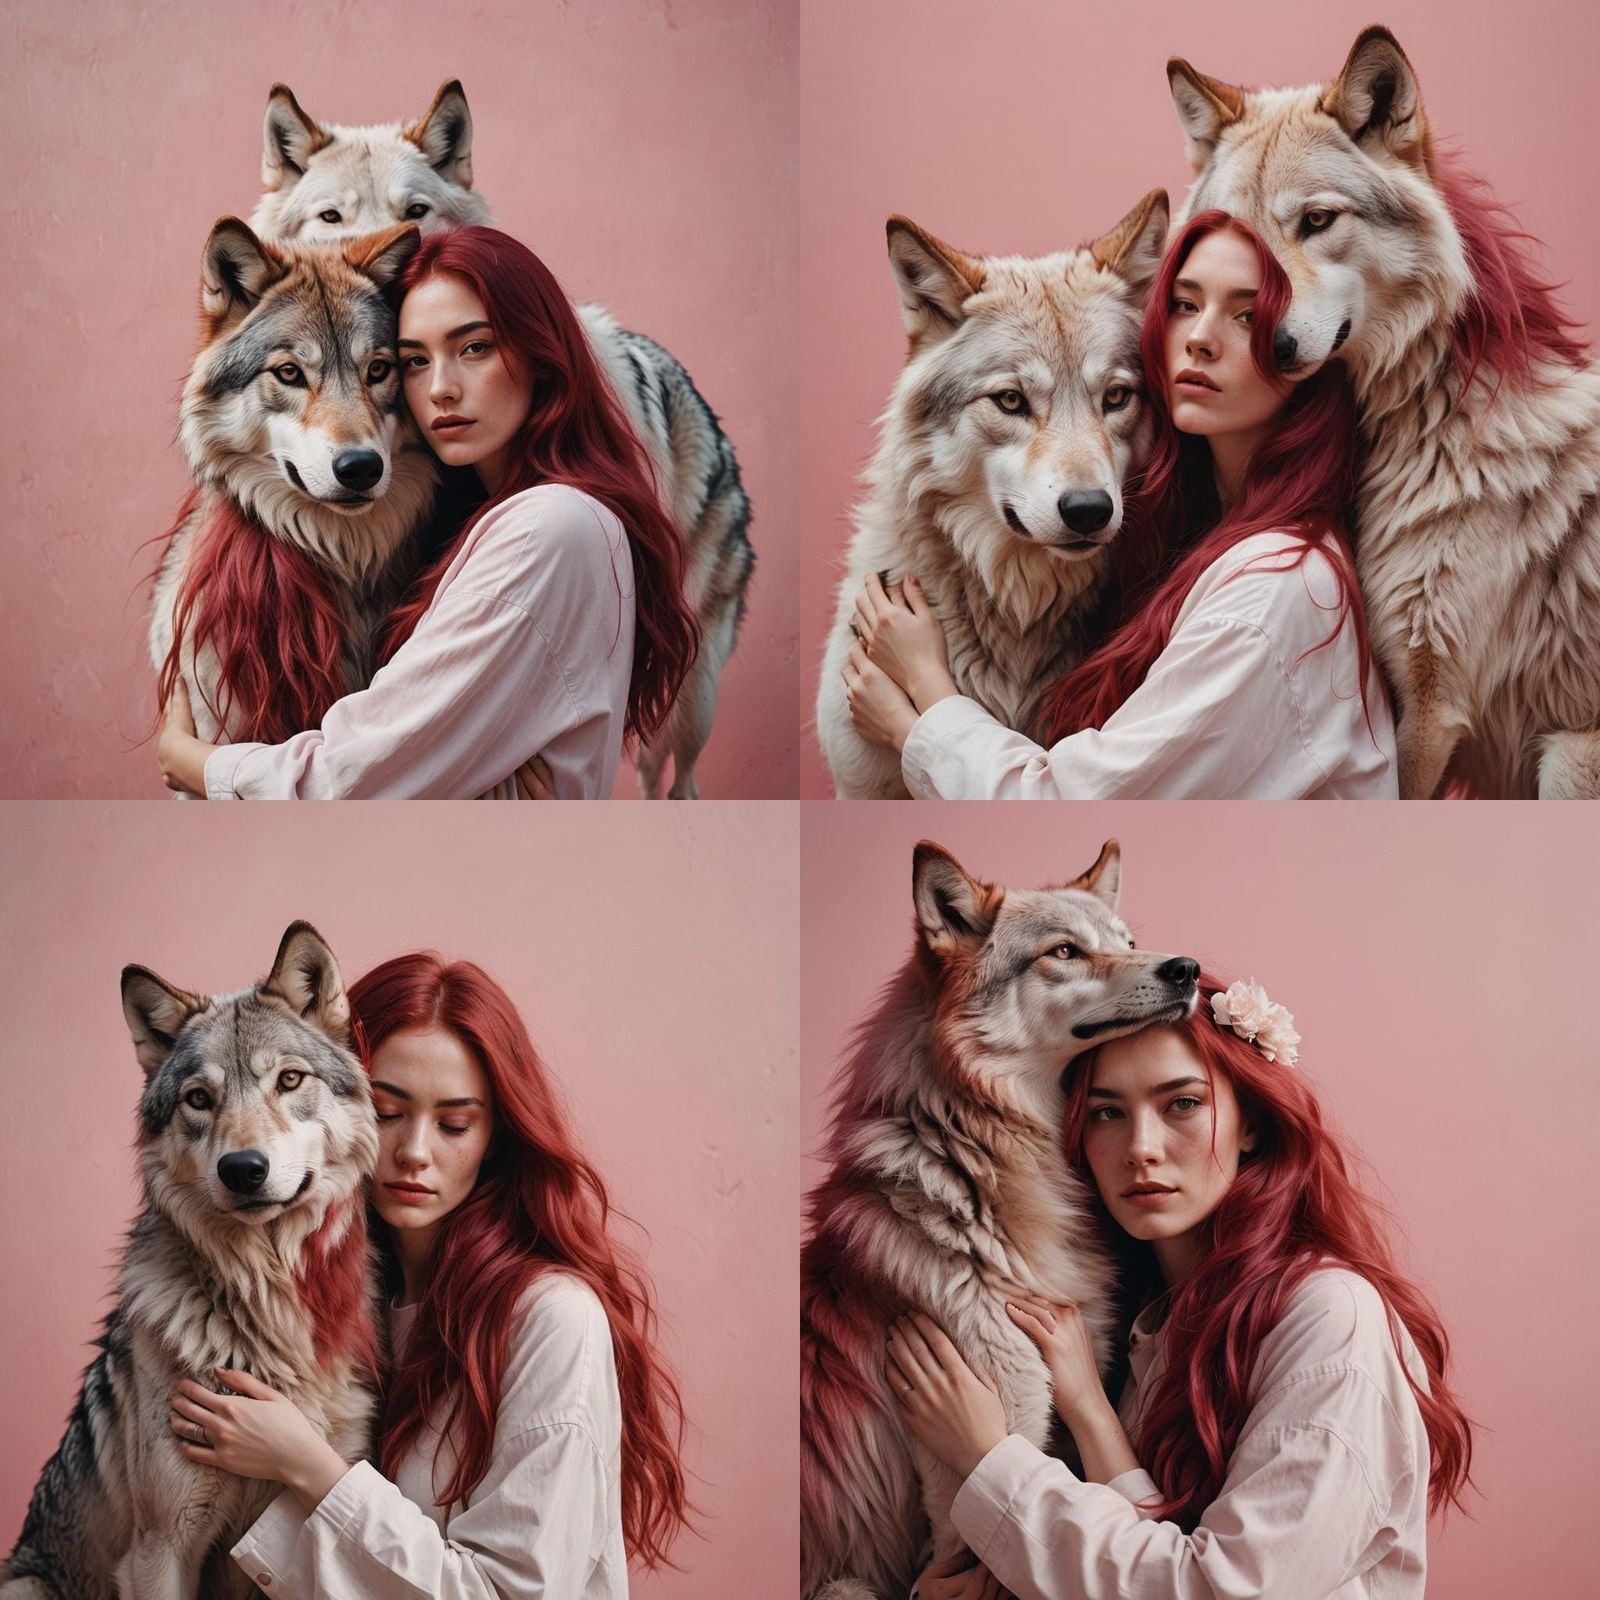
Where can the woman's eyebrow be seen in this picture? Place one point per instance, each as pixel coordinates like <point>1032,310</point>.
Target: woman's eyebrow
<point>401,1094</point>
<point>454,333</point>
<point>1160,1088</point>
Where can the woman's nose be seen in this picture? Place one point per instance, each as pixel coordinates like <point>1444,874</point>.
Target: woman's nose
<point>1144,1140</point>
<point>413,1148</point>
<point>443,386</point>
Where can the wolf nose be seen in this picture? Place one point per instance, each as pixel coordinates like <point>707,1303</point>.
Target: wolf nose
<point>358,469</point>
<point>244,1171</point>
<point>1085,512</point>
<point>1180,970</point>
<point>1284,347</point>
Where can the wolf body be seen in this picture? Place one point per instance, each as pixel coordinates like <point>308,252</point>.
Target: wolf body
<point>323,181</point>
<point>948,1193</point>
<point>256,1131</point>
<point>998,478</point>
<point>1478,538</point>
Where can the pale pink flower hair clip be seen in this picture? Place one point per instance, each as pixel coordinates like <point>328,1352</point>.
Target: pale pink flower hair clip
<point>1244,1007</point>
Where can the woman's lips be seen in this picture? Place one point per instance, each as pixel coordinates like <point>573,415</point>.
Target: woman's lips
<point>452,427</point>
<point>1148,1197</point>
<point>407,1194</point>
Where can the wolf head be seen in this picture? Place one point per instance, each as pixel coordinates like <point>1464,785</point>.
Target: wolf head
<point>1026,979</point>
<point>1336,178</point>
<point>1021,390</point>
<point>327,182</point>
<point>254,1106</point>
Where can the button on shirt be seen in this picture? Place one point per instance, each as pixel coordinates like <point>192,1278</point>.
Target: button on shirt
<point>1242,704</point>
<point>526,649</point>
<point>545,1522</point>
<point>1326,1493</point>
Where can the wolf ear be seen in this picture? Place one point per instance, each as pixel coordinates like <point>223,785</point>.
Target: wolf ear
<point>1376,99</point>
<point>1104,879</point>
<point>382,256</point>
<point>234,272</point>
<point>289,140</point>
<point>155,1012</point>
<point>1205,107</point>
<point>934,280</point>
<point>953,909</point>
<point>306,978</point>
<point>1133,248</point>
<point>444,134</point>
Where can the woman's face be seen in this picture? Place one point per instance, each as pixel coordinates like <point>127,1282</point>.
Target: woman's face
<point>468,402</point>
<point>435,1116</point>
<point>1212,383</point>
<point>1162,1139</point>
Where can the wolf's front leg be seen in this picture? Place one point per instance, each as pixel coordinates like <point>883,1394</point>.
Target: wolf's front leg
<point>1427,733</point>
<point>158,1567</point>
<point>1569,766</point>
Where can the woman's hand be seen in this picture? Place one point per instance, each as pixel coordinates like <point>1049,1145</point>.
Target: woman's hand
<point>1063,1341</point>
<point>182,755</point>
<point>534,781</point>
<point>257,1433</point>
<point>953,1411</point>
<point>880,710</point>
<point>902,637</point>
<point>960,1577</point>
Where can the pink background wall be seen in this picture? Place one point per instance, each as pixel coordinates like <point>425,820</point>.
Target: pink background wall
<point>646,151</point>
<point>652,953</point>
<point>1438,963</point>
<point>1035,125</point>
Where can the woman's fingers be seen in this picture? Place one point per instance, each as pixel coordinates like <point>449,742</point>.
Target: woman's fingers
<point>911,1354</point>
<point>184,1407</point>
<point>916,601</point>
<point>202,1398</point>
<point>938,1343</point>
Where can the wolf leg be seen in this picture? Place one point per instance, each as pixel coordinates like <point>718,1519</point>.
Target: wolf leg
<point>697,701</point>
<point>157,1568</point>
<point>1569,766</point>
<point>1424,743</point>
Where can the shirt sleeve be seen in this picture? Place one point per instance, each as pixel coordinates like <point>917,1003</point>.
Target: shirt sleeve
<point>501,664</point>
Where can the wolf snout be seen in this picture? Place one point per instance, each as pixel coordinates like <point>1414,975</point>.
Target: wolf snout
<point>1181,971</point>
<point>243,1171</point>
<point>358,469</point>
<point>1285,347</point>
<point>1085,511</point>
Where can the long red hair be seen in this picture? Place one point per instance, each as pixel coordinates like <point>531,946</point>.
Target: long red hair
<point>1301,480</point>
<point>1292,1205</point>
<point>538,1207</point>
<point>576,433</point>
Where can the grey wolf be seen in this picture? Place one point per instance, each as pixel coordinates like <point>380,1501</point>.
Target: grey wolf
<point>293,424</point>
<point>948,1192</point>
<point>999,474</point>
<point>323,181</point>
<point>1478,539</point>
<point>255,1133</point>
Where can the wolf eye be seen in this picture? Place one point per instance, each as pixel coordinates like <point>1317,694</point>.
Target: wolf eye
<point>198,1100</point>
<point>290,1079</point>
<point>416,209</point>
<point>1011,401</point>
<point>1067,952</point>
<point>329,216</point>
<point>1317,221</point>
<point>290,374</point>
<point>1116,397</point>
<point>378,371</point>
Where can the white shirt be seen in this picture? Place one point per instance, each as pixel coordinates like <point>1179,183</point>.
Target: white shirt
<point>1326,1496</point>
<point>1240,705</point>
<point>545,1523</point>
<point>525,649</point>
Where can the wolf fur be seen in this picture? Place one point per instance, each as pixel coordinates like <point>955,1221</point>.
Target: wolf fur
<point>1019,407</point>
<point>948,1193</point>
<point>296,382</point>
<point>1479,504</point>
<point>206,1282</point>
<point>323,181</point>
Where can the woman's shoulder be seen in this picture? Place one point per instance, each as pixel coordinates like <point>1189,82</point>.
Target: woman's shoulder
<point>1333,1317</point>
<point>557,510</point>
<point>549,538</point>
<point>1275,581</point>
<point>560,1365</point>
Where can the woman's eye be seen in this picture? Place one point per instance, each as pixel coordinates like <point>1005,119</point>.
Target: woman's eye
<point>290,1080</point>
<point>1183,305</point>
<point>1247,318</point>
<point>1011,401</point>
<point>1317,221</point>
<point>474,345</point>
<point>1103,1114</point>
<point>1116,397</point>
<point>290,374</point>
<point>329,216</point>
<point>388,1116</point>
<point>415,210</point>
<point>1185,1102</point>
<point>413,363</point>
<point>448,1128</point>
<point>197,1100</point>
<point>378,371</point>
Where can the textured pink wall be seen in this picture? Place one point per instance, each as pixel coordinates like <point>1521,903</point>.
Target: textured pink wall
<point>653,955</point>
<point>1437,961</point>
<point>646,151</point>
<point>1037,125</point>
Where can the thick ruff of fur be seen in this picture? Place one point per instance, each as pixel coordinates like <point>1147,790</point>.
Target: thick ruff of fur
<point>325,182</point>
<point>282,1291</point>
<point>1008,404</point>
<point>1479,513</point>
<point>948,1193</point>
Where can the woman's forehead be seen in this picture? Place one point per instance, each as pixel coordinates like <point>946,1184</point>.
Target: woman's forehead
<point>437,304</point>
<point>1139,1061</point>
<point>1225,260</point>
<point>430,1064</point>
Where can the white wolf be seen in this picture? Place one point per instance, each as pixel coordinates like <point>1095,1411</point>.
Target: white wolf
<point>1479,504</point>
<point>323,181</point>
<point>998,479</point>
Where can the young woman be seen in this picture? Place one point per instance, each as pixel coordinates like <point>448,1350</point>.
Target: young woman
<point>1286,1427</point>
<point>554,624</point>
<point>1243,669</point>
<point>529,1437</point>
